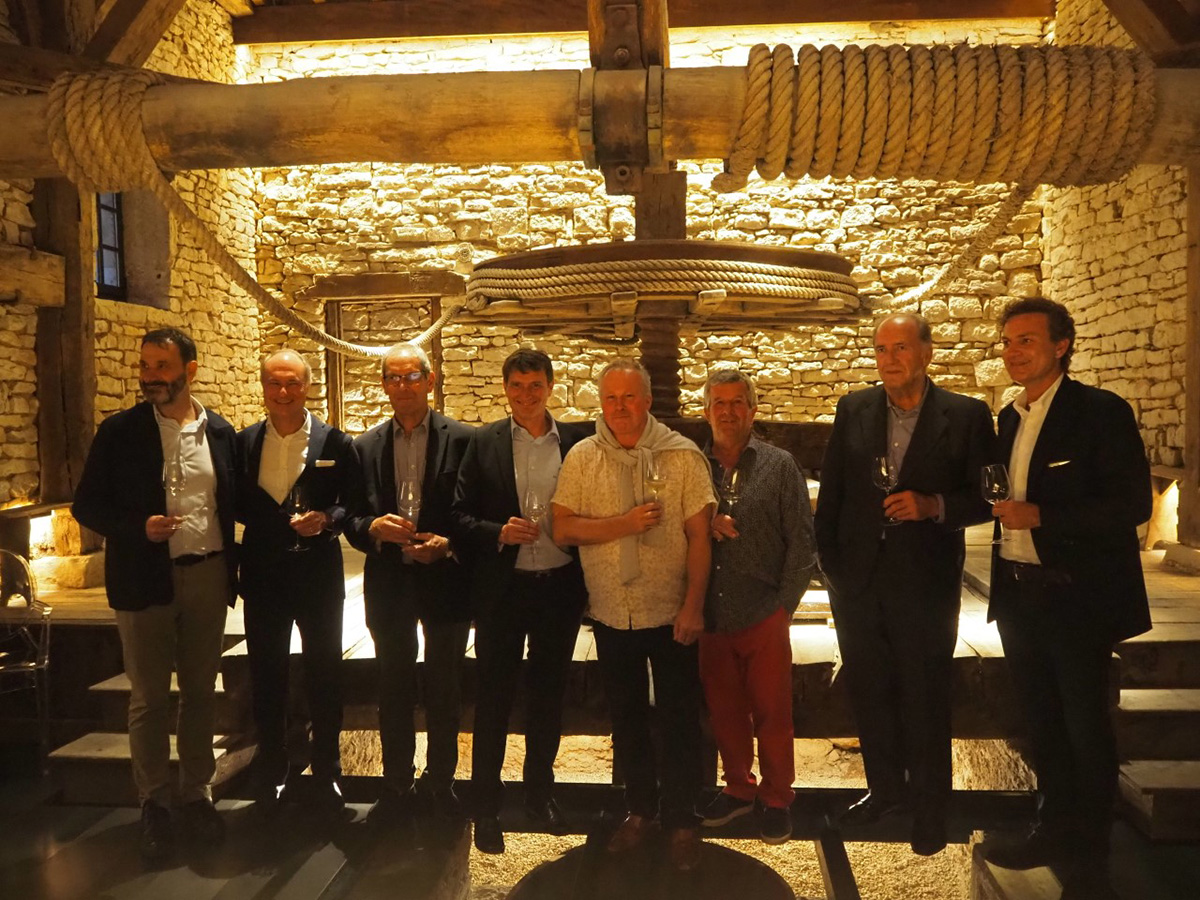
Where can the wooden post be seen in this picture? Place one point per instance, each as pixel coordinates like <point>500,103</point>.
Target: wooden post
<point>1189,488</point>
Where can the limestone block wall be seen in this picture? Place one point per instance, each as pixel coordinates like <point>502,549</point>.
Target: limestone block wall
<point>321,221</point>
<point>222,320</point>
<point>1115,254</point>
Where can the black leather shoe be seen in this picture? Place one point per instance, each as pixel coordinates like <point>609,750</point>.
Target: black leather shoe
<point>325,796</point>
<point>869,809</point>
<point>928,833</point>
<point>1043,847</point>
<point>203,823</point>
<point>157,840</point>
<point>489,837</point>
<point>393,809</point>
<point>445,804</point>
<point>549,815</point>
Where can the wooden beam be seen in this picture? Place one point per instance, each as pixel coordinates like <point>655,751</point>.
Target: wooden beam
<point>26,20</point>
<point>131,30</point>
<point>390,19</point>
<point>35,69</point>
<point>237,8</point>
<point>465,118</point>
<point>1189,487</point>
<point>1164,29</point>
<point>34,277</point>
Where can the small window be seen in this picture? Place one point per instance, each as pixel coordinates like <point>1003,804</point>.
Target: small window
<point>110,247</point>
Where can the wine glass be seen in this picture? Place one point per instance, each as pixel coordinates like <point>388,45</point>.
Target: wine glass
<point>996,487</point>
<point>174,483</point>
<point>535,511</point>
<point>730,488</point>
<point>885,476</point>
<point>296,506</point>
<point>654,479</point>
<point>408,500</point>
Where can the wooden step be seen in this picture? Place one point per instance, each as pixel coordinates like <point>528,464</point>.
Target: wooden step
<point>1166,656</point>
<point>96,768</point>
<point>113,695</point>
<point>1163,797</point>
<point>1159,723</point>
<point>990,882</point>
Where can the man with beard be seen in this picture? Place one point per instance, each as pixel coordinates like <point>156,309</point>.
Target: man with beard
<point>158,484</point>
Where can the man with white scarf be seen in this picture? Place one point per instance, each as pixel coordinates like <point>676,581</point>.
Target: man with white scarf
<point>645,556</point>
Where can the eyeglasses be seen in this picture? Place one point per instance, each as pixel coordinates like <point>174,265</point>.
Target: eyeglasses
<point>395,378</point>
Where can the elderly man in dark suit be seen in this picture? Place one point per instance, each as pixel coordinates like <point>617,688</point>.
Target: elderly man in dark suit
<point>893,561</point>
<point>525,586</point>
<point>410,467</point>
<point>296,477</point>
<point>1066,585</point>
<point>158,484</point>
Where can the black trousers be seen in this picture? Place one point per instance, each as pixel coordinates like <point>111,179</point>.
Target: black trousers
<point>546,609</point>
<point>1060,659</point>
<point>623,655</point>
<point>268,641</point>
<point>396,649</point>
<point>897,650</point>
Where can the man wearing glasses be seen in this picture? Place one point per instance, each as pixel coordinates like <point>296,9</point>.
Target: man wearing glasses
<point>169,572</point>
<point>525,587</point>
<point>410,467</point>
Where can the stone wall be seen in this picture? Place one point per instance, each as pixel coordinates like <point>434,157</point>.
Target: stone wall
<point>1115,254</point>
<point>19,470</point>
<point>222,320</point>
<point>328,220</point>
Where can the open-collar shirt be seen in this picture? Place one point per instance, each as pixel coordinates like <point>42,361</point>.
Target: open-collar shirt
<point>188,443</point>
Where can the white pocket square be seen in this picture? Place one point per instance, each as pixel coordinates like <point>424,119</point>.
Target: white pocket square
<point>1061,462</point>
<point>325,463</point>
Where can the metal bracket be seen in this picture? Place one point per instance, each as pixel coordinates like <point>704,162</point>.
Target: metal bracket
<point>654,120</point>
<point>623,305</point>
<point>587,139</point>
<point>622,47</point>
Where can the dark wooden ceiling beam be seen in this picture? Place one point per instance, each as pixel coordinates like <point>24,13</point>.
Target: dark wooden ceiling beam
<point>131,29</point>
<point>1168,30</point>
<point>391,19</point>
<point>35,69</point>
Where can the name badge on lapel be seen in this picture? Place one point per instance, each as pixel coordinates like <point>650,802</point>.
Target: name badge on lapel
<point>325,463</point>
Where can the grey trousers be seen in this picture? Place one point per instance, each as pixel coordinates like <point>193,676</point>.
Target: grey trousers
<point>186,637</point>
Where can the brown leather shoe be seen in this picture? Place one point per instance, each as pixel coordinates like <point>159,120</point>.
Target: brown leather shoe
<point>630,834</point>
<point>684,848</point>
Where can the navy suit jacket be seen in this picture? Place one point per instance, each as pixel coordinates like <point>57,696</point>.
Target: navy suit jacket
<point>440,590</point>
<point>331,482</point>
<point>950,445</point>
<point>486,498</point>
<point>122,486</point>
<point>1089,476</point>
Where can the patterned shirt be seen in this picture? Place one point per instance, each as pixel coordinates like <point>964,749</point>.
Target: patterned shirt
<point>769,564</point>
<point>588,486</point>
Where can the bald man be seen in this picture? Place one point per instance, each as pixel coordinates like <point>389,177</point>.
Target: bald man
<point>297,477</point>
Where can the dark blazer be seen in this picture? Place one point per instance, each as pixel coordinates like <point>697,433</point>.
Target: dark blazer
<point>1090,478</point>
<point>332,482</point>
<point>122,486</point>
<point>951,443</point>
<point>442,588</point>
<point>486,498</point>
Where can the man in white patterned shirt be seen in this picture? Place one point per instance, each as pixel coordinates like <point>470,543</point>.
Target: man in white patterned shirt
<point>646,555</point>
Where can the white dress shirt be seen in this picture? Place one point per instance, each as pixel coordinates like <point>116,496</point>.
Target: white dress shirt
<point>283,459</point>
<point>188,444</point>
<point>1019,546</point>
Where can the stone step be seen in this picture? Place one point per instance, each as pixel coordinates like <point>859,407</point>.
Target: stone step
<point>1159,723</point>
<point>233,717</point>
<point>1167,656</point>
<point>1162,797</point>
<point>96,768</point>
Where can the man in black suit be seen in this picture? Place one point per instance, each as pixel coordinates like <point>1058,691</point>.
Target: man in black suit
<point>893,561</point>
<point>158,484</point>
<point>1066,584</point>
<point>525,586</point>
<point>296,477</point>
<point>412,573</point>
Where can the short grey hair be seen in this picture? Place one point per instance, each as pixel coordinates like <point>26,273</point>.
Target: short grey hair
<point>406,349</point>
<point>286,351</point>
<point>730,376</point>
<point>924,332</point>
<point>624,365</point>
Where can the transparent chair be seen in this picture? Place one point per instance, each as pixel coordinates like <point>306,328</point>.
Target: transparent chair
<point>25,640</point>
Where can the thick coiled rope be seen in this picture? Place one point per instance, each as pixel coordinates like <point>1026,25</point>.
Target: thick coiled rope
<point>94,122</point>
<point>1024,115</point>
